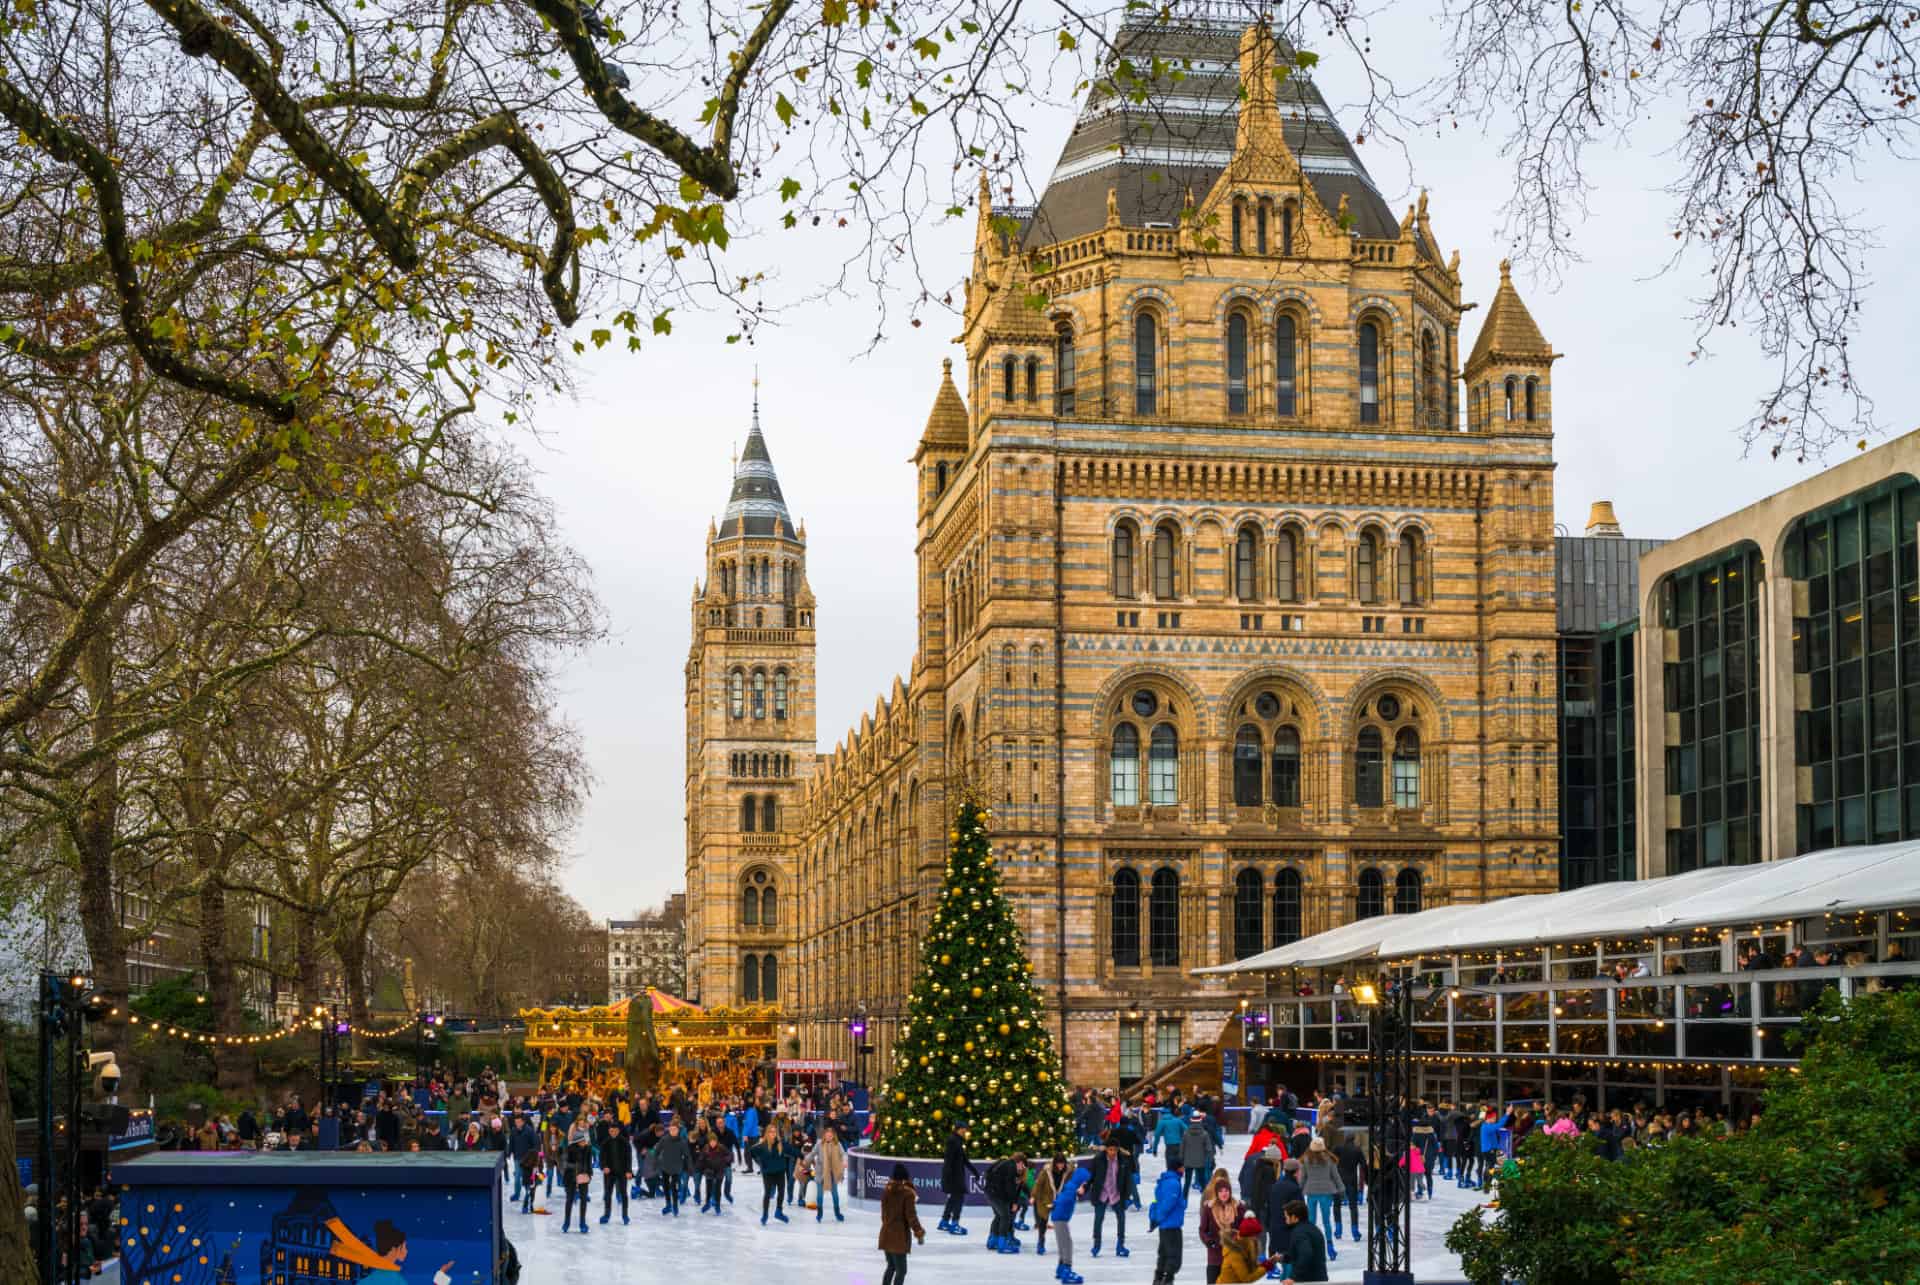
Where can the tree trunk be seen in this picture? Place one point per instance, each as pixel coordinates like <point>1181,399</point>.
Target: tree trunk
<point>16,1247</point>
<point>306,960</point>
<point>351,949</point>
<point>93,830</point>
<point>233,1066</point>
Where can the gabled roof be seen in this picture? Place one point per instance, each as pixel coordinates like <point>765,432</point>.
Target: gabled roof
<point>1509,330</point>
<point>1182,136</point>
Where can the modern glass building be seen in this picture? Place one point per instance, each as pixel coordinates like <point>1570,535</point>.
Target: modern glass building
<point>1777,673</point>
<point>1597,580</point>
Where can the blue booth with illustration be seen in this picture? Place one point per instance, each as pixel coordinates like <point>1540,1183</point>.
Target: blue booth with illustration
<point>310,1218</point>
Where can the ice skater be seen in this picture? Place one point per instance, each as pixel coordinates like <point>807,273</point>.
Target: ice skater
<point>1062,1217</point>
<point>955,1170</point>
<point>899,1219</point>
<point>1168,1215</point>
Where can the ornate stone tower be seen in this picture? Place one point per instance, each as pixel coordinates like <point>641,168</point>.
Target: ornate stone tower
<point>750,738</point>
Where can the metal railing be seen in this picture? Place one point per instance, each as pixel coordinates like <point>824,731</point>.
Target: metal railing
<point>1732,1017</point>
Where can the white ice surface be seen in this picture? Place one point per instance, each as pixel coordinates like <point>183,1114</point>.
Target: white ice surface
<point>700,1249</point>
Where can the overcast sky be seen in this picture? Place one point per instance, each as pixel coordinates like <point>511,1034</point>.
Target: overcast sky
<point>639,464</point>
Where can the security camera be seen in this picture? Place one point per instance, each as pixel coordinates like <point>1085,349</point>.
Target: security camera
<point>106,1073</point>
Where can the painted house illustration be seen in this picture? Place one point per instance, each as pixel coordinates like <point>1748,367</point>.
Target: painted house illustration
<point>300,1250</point>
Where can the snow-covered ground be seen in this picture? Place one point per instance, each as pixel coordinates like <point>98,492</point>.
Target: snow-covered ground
<point>699,1249</point>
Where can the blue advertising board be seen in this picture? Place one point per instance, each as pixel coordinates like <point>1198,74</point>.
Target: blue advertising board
<point>1230,1073</point>
<point>310,1218</point>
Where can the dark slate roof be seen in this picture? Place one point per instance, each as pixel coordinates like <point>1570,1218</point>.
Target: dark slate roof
<point>1597,581</point>
<point>756,506</point>
<point>1182,136</point>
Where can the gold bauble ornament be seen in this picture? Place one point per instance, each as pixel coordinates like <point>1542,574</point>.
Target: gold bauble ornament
<point>946,959</point>
<point>977,992</point>
<point>1043,1077</point>
<point>899,1097</point>
<point>937,1115</point>
<point>1005,1029</point>
<point>968,1046</point>
<point>959,1099</point>
<point>923,1059</point>
<point>941,1036</point>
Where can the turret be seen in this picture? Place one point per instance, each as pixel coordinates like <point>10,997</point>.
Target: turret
<point>1508,389</point>
<point>943,444</point>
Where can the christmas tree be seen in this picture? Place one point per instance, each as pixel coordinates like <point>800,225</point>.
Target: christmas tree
<point>975,1047</point>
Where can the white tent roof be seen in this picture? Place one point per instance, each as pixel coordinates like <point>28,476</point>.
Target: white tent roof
<point>1837,881</point>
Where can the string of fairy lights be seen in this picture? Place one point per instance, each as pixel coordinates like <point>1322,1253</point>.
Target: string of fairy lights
<point>156,1028</point>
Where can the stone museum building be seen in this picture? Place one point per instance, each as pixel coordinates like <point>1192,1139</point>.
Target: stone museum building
<point>1236,595</point>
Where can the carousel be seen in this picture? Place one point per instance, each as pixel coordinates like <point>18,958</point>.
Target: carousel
<point>651,1040</point>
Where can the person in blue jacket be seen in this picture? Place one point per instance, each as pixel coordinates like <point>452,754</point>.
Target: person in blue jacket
<point>1169,1129</point>
<point>1167,1215</point>
<point>1490,1127</point>
<point>1063,1206</point>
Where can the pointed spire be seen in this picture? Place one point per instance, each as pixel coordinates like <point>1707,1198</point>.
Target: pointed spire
<point>1509,333</point>
<point>947,422</point>
<point>756,506</point>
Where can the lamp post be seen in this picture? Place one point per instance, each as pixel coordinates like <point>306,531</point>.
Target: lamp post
<point>857,1031</point>
<point>1389,1073</point>
<point>66,1004</point>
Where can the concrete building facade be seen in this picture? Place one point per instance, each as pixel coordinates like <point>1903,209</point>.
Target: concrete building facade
<point>650,950</point>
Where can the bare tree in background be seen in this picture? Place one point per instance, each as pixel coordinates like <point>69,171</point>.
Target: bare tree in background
<point>1784,101</point>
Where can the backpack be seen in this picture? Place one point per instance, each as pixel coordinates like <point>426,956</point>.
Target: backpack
<point>508,1270</point>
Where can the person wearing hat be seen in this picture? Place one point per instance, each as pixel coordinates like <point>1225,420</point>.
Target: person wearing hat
<point>576,1173</point>
<point>899,1225</point>
<point>1196,1151</point>
<point>1284,1191</point>
<point>1240,1261</point>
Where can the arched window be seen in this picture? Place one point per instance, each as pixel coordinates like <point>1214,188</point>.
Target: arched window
<point>1124,539</point>
<point>1126,766</point>
<point>1286,908</point>
<point>759,622</point>
<point>759,693</point>
<point>1246,564</point>
<point>1237,364</point>
<point>1370,897</point>
<point>1249,914</point>
<point>749,908</point>
<point>1033,379</point>
<point>1406,768</point>
<point>769,814</point>
<point>1286,228</point>
<point>1125,928</point>
<point>1286,768</point>
<point>1285,363</point>
<point>1163,765</point>
<point>749,814</point>
<point>1063,371</point>
<point>1406,892</point>
<point>1146,364</point>
<point>1260,227</point>
<point>750,979</point>
<point>1430,390</point>
<point>1246,767</point>
<point>1006,378</point>
<point>1407,568</point>
<point>779,693</point>
<point>1239,217</point>
<point>769,979</point>
<point>737,694</point>
<point>769,909</point>
<point>1286,585</point>
<point>1532,385</point>
<point>940,478</point>
<point>1369,373</point>
<point>1166,577</point>
<point>1366,569</point>
<point>1510,391</point>
<point>1366,768</point>
<point>1163,919</point>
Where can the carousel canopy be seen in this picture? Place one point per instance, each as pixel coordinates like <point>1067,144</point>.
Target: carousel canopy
<point>1838,881</point>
